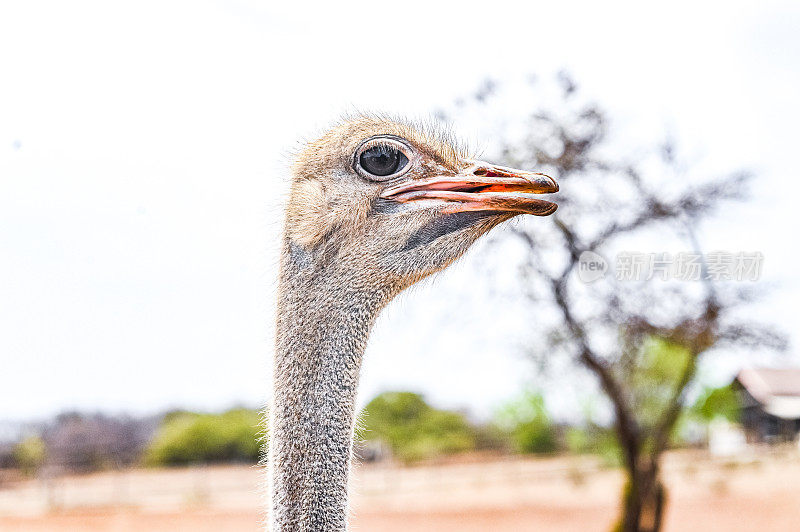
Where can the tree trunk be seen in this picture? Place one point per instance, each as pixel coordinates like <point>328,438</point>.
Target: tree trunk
<point>643,499</point>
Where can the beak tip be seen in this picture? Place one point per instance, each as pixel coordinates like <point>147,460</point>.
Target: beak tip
<point>552,183</point>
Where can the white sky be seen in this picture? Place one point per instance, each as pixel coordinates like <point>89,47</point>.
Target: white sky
<point>142,147</point>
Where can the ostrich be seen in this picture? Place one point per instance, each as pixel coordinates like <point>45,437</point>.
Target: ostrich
<point>375,206</point>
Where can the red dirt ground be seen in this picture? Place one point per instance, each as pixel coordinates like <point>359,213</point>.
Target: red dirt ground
<point>752,493</point>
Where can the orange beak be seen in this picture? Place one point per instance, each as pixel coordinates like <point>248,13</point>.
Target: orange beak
<point>482,187</point>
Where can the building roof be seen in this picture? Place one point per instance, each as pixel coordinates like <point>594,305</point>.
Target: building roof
<point>778,390</point>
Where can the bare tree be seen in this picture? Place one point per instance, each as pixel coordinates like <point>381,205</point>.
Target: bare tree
<point>87,442</point>
<point>643,336</point>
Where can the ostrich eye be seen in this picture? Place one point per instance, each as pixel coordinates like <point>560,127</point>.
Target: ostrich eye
<point>382,160</point>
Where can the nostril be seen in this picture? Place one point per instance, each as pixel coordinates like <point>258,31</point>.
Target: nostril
<point>485,172</point>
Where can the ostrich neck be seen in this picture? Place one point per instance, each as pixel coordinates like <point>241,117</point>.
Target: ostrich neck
<point>324,319</point>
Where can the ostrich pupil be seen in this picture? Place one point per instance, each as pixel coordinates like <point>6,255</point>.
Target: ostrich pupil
<point>382,160</point>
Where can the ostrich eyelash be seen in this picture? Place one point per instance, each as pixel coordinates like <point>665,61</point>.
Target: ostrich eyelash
<point>386,143</point>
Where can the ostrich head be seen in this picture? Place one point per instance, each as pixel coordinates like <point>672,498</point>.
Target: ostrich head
<point>397,202</point>
<point>375,205</point>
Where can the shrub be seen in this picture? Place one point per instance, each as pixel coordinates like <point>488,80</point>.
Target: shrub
<point>717,402</point>
<point>414,430</point>
<point>528,424</point>
<point>594,439</point>
<point>30,454</point>
<point>187,438</point>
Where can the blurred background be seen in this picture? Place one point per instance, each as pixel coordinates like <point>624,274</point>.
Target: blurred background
<point>629,361</point>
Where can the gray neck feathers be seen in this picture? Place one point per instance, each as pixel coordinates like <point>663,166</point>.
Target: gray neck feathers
<point>324,318</point>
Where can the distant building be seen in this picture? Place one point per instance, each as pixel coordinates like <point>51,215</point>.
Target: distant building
<point>770,404</point>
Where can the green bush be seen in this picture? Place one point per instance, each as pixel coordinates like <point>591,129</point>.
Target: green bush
<point>30,454</point>
<point>188,438</point>
<point>414,430</point>
<point>528,424</point>
<point>594,439</point>
<point>717,402</point>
